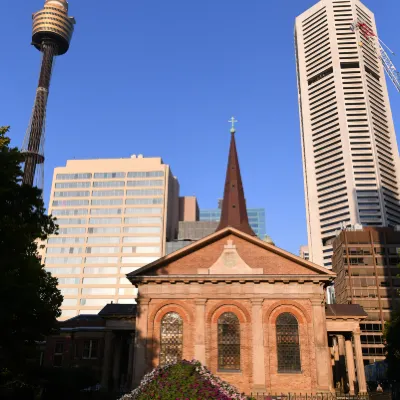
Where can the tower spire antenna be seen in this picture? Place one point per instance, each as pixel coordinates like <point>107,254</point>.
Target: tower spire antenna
<point>234,212</point>
<point>51,35</point>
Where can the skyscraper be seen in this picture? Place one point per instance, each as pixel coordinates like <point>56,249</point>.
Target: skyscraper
<point>115,215</point>
<point>349,148</point>
<point>51,35</point>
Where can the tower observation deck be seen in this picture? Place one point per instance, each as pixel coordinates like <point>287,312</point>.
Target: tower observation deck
<point>51,35</point>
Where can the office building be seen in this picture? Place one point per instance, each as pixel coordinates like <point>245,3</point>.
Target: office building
<point>304,253</point>
<point>256,218</point>
<point>366,263</point>
<point>114,216</point>
<point>349,148</point>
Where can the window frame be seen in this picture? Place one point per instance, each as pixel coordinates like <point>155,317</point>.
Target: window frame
<point>93,343</point>
<point>220,324</point>
<point>164,357</point>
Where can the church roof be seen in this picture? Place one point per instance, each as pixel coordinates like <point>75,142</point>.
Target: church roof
<point>234,212</point>
<point>345,310</point>
<point>208,240</point>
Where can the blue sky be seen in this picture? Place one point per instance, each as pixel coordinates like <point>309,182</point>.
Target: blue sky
<point>162,78</point>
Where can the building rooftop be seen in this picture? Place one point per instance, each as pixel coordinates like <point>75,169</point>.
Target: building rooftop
<point>345,310</point>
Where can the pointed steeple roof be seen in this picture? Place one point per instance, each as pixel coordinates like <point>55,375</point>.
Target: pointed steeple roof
<point>234,212</point>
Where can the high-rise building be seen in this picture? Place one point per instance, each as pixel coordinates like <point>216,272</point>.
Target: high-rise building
<point>349,148</point>
<point>51,35</point>
<point>114,216</point>
<point>256,218</point>
<point>366,262</point>
<point>304,253</point>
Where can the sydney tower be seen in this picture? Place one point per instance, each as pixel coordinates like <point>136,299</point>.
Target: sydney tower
<point>51,35</point>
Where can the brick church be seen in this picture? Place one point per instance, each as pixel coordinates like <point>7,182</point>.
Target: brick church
<point>253,313</point>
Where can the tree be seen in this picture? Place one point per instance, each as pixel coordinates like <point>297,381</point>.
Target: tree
<point>29,299</point>
<point>392,337</point>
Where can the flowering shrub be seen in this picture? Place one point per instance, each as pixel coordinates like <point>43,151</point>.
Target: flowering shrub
<point>185,380</point>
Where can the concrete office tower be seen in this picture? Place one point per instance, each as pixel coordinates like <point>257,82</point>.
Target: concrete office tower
<point>304,253</point>
<point>115,215</point>
<point>366,261</point>
<point>349,148</point>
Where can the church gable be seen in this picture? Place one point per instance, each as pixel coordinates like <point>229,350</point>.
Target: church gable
<point>233,253</point>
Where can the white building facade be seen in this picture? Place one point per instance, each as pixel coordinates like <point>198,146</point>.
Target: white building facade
<point>349,147</point>
<point>114,216</point>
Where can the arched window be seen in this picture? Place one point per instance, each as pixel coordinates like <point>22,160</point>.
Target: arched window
<point>287,339</point>
<point>171,338</point>
<point>228,342</point>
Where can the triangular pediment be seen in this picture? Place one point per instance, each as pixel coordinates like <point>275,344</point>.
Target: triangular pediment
<point>231,252</point>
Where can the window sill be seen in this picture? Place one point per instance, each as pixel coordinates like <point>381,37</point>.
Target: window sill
<point>230,371</point>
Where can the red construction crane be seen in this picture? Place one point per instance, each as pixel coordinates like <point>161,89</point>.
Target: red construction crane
<point>388,65</point>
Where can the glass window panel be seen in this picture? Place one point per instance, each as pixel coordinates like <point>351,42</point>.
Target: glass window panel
<point>171,338</point>
<point>126,301</point>
<point>107,193</point>
<point>99,281</point>
<point>104,229</point>
<point>143,220</point>
<point>63,260</point>
<point>69,281</point>
<point>69,291</point>
<point>142,229</point>
<point>103,239</point>
<point>158,200</point>
<point>141,239</point>
<point>153,182</point>
<point>64,271</point>
<point>81,175</point>
<point>98,291</point>
<point>107,202</point>
<point>145,174</point>
<point>63,250</point>
<point>138,260</point>
<point>106,184</point>
<point>78,211</point>
<point>69,231</point>
<point>70,203</point>
<point>109,175</point>
<point>71,221</point>
<point>72,185</point>
<point>100,221</point>
<point>101,270</point>
<point>106,211</point>
<point>141,249</point>
<point>127,291</point>
<point>128,270</point>
<point>124,281</point>
<point>68,313</point>
<point>94,302</point>
<point>228,342</point>
<point>144,192</point>
<point>73,193</point>
<point>99,250</point>
<point>139,210</point>
<point>288,345</point>
<point>90,349</point>
<point>69,302</point>
<point>101,260</point>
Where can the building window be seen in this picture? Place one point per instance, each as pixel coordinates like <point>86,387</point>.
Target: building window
<point>287,339</point>
<point>90,349</point>
<point>228,342</point>
<point>58,354</point>
<point>171,341</point>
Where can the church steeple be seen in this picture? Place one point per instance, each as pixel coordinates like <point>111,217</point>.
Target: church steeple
<point>234,212</point>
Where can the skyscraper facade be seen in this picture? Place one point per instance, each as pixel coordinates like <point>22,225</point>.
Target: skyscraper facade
<point>256,218</point>
<point>114,216</point>
<point>349,148</point>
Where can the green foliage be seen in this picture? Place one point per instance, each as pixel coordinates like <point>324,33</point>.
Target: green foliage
<point>30,301</point>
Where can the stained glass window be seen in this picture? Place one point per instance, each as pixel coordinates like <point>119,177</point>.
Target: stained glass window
<point>287,339</point>
<point>171,341</point>
<point>228,342</point>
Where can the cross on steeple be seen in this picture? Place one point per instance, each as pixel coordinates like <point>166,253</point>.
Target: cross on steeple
<point>232,121</point>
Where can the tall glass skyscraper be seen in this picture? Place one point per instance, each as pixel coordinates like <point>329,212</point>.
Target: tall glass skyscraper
<point>256,218</point>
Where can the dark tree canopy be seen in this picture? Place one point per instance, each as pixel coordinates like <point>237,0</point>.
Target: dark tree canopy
<point>29,299</point>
